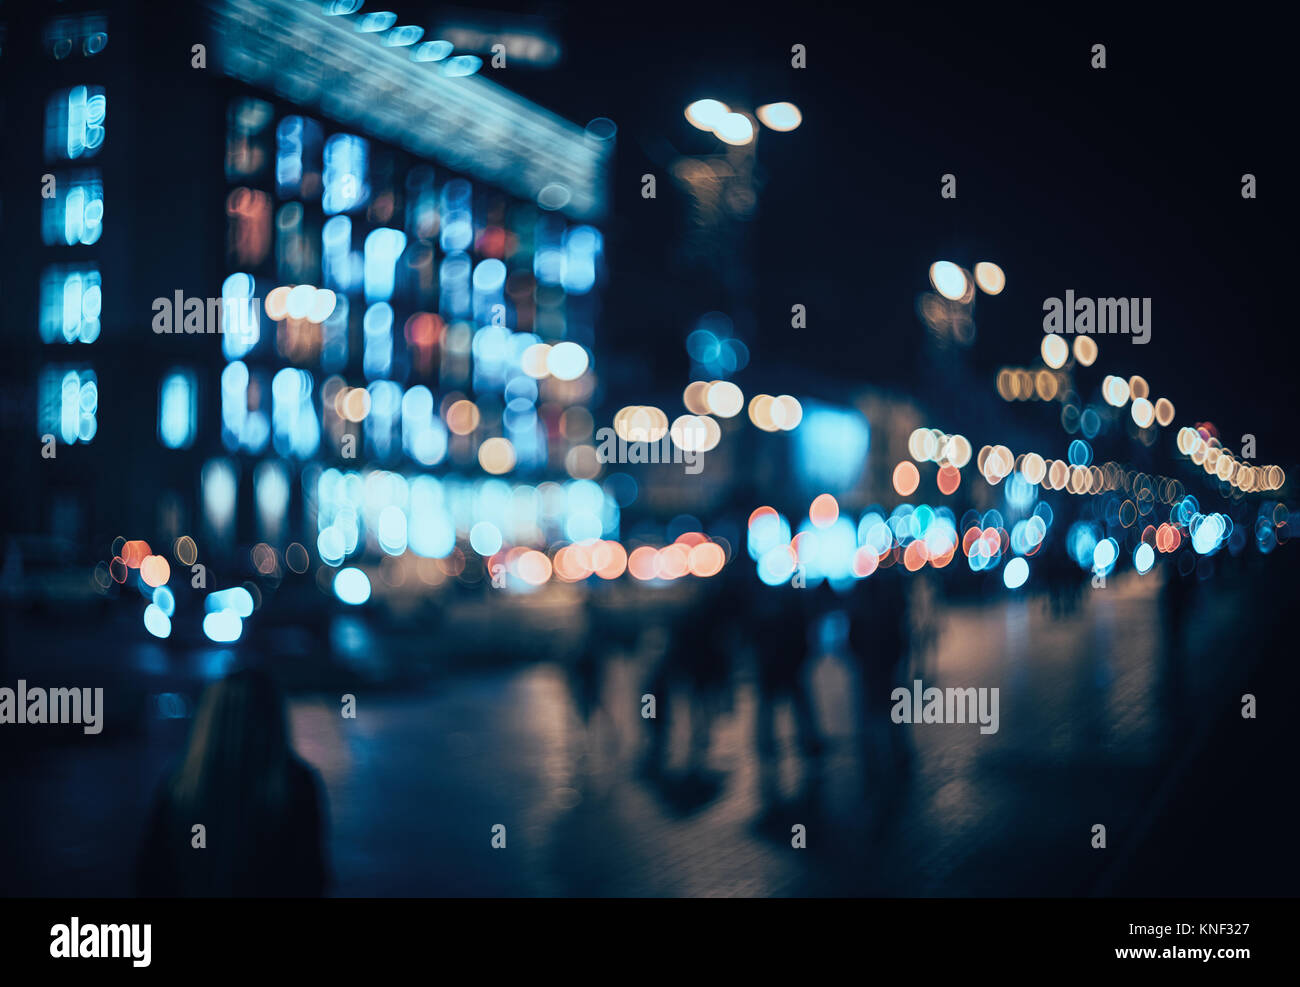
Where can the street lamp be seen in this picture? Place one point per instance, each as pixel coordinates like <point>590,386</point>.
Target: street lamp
<point>723,187</point>
<point>737,128</point>
<point>780,116</point>
<point>705,114</point>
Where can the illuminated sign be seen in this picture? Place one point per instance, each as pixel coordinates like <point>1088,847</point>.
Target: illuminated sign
<point>468,123</point>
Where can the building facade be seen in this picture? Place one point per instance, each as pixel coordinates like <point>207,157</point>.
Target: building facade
<point>314,290</point>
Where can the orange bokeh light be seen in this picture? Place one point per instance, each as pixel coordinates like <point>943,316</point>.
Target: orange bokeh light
<point>707,559</point>
<point>915,556</point>
<point>135,552</point>
<point>672,562</point>
<point>609,559</point>
<point>533,568</point>
<point>865,562</point>
<point>641,563</point>
<point>906,478</point>
<point>824,511</point>
<point>949,479</point>
<point>155,570</point>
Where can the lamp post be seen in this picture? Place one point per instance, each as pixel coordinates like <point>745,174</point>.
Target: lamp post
<point>724,194</point>
<point>723,187</point>
<point>739,129</point>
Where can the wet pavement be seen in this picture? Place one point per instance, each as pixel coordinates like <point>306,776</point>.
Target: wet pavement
<point>1090,732</point>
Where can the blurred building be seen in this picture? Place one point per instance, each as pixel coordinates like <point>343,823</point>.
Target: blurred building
<point>301,276</point>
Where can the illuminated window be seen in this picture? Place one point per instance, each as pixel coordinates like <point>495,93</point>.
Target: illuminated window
<point>271,494</point>
<point>94,37</point>
<point>177,409</point>
<point>523,426</point>
<point>377,330</point>
<point>248,213</point>
<point>548,252</point>
<point>334,336</point>
<point>246,138</point>
<point>294,428</point>
<point>453,284</point>
<point>338,269</point>
<point>295,258</point>
<point>457,215</point>
<point>220,496</point>
<point>74,123</point>
<point>383,424</point>
<point>75,214</point>
<point>297,156</point>
<point>421,203</point>
<point>493,351</point>
<point>86,36</point>
<point>70,304</point>
<point>383,248</point>
<point>582,246</point>
<point>453,370</point>
<point>244,423</point>
<point>241,317</point>
<point>424,436</point>
<point>423,335</point>
<point>489,290</point>
<point>345,174</point>
<point>67,402</point>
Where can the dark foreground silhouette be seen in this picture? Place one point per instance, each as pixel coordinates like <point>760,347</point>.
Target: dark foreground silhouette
<point>259,805</point>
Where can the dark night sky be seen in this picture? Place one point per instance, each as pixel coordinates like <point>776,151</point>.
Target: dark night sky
<point>1117,182</point>
<point>1122,182</point>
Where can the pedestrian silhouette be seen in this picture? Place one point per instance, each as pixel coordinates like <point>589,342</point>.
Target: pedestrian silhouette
<point>259,805</point>
<point>693,676</point>
<point>781,627</point>
<point>880,629</point>
<point>1177,597</point>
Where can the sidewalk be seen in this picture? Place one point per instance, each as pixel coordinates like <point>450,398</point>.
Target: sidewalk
<point>419,779</point>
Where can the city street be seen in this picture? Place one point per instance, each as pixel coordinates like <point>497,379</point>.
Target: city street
<point>1089,733</point>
